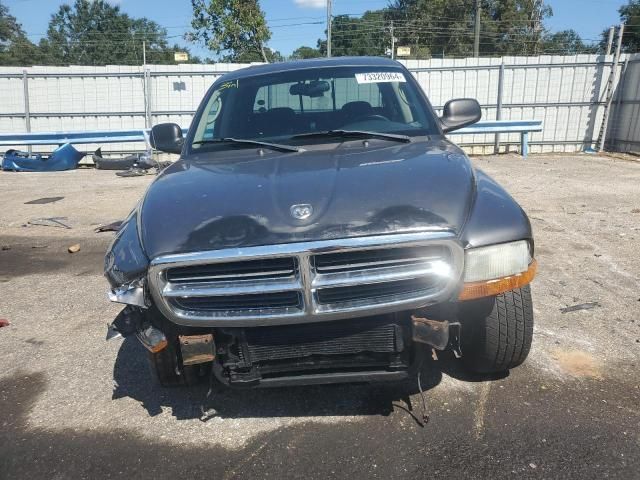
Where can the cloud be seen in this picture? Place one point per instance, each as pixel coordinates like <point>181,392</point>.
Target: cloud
<point>311,3</point>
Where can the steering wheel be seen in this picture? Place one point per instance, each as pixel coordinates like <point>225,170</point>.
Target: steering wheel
<point>364,118</point>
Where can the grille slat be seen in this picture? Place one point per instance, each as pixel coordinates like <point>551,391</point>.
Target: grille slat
<point>367,259</point>
<point>228,271</point>
<point>375,290</point>
<point>241,302</point>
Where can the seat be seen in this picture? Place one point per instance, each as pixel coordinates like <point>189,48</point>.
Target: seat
<point>354,110</point>
<point>276,121</point>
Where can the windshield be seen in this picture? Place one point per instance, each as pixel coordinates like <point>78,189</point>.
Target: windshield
<point>283,107</point>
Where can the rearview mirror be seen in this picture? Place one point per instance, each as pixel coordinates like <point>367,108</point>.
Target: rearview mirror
<point>460,113</point>
<point>167,137</point>
<point>313,89</point>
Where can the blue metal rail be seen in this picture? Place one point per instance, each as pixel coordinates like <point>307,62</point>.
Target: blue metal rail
<point>59,138</point>
<point>523,127</point>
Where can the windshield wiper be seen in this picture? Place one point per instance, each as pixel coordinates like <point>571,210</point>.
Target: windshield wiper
<point>355,133</point>
<point>257,143</point>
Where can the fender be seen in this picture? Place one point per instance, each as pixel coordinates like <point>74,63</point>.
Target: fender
<point>495,216</point>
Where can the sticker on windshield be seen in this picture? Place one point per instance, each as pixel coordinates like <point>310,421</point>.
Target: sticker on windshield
<point>380,77</point>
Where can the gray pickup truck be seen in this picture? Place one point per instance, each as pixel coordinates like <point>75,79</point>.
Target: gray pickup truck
<point>319,227</point>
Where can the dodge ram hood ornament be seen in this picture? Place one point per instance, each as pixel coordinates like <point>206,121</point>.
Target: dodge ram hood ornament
<point>301,211</point>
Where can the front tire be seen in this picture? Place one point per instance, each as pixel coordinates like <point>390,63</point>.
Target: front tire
<point>165,368</point>
<point>497,331</point>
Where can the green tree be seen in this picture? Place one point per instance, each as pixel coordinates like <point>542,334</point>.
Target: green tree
<point>630,15</point>
<point>94,32</point>
<point>434,28</point>
<point>366,35</point>
<point>446,27</point>
<point>236,28</point>
<point>566,42</point>
<point>15,47</point>
<point>302,53</point>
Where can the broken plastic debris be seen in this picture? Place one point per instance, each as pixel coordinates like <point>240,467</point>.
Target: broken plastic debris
<point>582,306</point>
<point>4,322</point>
<point>42,201</point>
<point>109,227</point>
<point>50,222</point>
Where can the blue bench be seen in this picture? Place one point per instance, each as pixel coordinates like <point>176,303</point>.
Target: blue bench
<point>523,127</point>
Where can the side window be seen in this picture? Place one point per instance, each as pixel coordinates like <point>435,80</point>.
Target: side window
<point>206,129</point>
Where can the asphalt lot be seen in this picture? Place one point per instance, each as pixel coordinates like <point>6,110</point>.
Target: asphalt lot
<point>73,406</point>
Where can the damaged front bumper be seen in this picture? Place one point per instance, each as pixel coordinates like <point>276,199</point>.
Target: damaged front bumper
<point>387,347</point>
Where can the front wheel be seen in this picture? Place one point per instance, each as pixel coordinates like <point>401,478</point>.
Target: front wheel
<point>497,332</point>
<point>165,368</point>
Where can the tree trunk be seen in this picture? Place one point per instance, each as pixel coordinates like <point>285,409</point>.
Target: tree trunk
<point>263,53</point>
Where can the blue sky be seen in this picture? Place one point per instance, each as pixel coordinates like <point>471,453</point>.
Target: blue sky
<point>301,22</point>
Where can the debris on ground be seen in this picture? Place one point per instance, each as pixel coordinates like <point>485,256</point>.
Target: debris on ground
<point>50,222</point>
<point>109,227</point>
<point>581,306</point>
<point>74,248</point>
<point>5,248</point>
<point>635,210</point>
<point>42,201</point>
<point>65,157</point>
<point>133,172</point>
<point>4,322</point>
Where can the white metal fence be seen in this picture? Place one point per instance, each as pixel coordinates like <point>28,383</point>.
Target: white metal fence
<point>624,122</point>
<point>566,92</point>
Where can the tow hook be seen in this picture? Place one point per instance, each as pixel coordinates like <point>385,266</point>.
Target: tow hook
<point>197,349</point>
<point>437,334</point>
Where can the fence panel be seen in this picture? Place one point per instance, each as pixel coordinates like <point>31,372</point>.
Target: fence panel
<point>567,93</point>
<point>624,122</point>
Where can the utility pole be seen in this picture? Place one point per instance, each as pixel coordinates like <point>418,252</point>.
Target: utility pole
<point>602,137</point>
<point>393,41</point>
<point>328,28</point>
<point>144,53</point>
<point>476,43</point>
<point>536,19</point>
<point>610,40</point>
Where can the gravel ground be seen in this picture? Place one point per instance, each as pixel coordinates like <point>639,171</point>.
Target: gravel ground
<point>73,406</point>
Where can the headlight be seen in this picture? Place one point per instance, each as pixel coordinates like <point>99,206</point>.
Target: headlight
<point>497,269</point>
<point>496,261</point>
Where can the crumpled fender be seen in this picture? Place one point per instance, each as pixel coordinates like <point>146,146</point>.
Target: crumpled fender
<point>125,260</point>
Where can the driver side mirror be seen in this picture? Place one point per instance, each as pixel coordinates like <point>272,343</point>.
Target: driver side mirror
<point>167,137</point>
<point>460,113</point>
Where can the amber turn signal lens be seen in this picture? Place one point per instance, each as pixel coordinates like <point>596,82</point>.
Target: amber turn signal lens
<point>491,288</point>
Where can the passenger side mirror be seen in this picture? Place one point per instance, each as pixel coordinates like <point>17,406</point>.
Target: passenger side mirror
<point>460,113</point>
<point>167,137</point>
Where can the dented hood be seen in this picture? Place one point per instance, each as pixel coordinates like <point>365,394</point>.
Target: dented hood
<point>244,197</point>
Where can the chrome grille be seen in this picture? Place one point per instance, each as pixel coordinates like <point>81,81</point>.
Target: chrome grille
<point>307,282</point>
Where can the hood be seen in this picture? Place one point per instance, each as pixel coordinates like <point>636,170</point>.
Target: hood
<point>204,204</point>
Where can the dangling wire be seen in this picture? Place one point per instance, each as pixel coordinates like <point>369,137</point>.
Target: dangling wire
<point>425,415</point>
<point>207,413</point>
